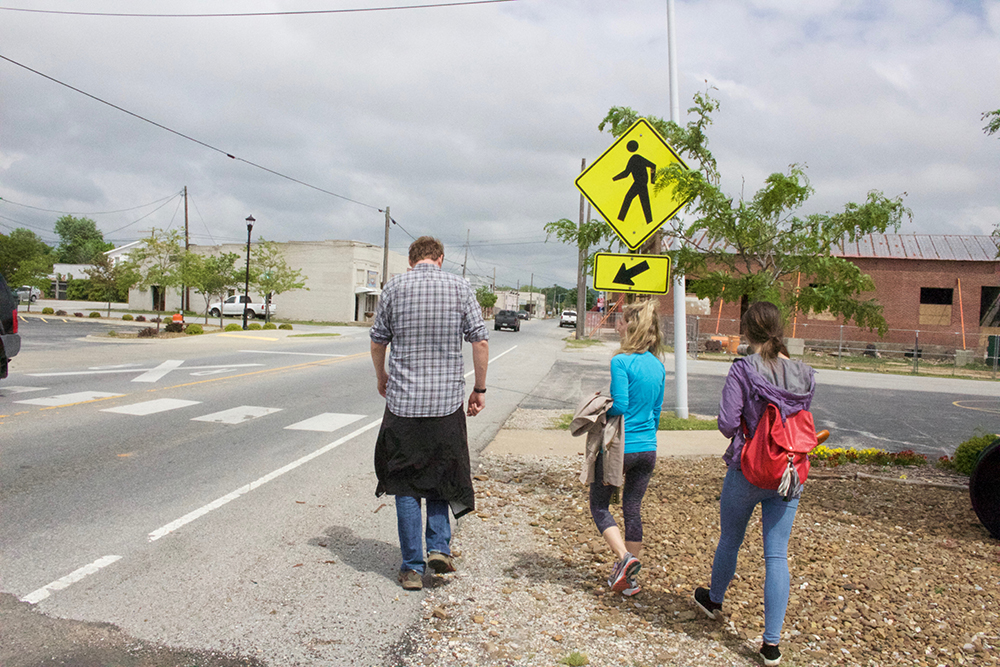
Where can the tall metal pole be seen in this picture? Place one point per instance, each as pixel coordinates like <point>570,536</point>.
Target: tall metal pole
<point>246,286</point>
<point>186,301</point>
<point>581,272</point>
<point>385,250</point>
<point>680,303</point>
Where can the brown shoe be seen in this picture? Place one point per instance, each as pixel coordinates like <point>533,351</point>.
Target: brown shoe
<point>411,580</point>
<point>440,563</point>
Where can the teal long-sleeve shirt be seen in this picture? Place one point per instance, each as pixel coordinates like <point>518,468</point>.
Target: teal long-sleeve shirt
<point>637,391</point>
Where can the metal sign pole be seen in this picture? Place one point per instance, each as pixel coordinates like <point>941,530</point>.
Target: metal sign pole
<point>680,304</point>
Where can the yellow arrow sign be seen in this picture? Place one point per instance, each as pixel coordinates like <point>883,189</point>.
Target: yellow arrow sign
<point>647,274</point>
<point>620,184</point>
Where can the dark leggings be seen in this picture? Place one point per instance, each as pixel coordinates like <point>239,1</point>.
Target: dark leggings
<point>638,468</point>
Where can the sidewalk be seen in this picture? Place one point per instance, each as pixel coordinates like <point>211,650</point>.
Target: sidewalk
<point>561,443</point>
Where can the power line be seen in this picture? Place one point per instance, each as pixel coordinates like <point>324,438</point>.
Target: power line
<point>184,136</point>
<point>254,14</point>
<point>123,210</point>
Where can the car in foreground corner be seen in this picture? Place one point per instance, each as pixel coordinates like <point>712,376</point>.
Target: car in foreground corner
<point>506,319</point>
<point>10,340</point>
<point>568,318</point>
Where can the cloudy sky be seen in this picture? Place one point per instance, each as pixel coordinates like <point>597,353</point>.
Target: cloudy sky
<point>473,120</point>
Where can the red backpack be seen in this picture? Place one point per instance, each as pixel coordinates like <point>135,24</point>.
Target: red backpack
<point>776,457</point>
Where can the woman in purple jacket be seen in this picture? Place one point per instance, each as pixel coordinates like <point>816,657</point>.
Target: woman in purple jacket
<point>766,376</point>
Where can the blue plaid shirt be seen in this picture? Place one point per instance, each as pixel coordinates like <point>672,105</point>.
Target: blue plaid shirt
<point>425,313</point>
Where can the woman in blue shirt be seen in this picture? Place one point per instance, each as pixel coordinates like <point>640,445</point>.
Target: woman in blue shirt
<point>637,379</point>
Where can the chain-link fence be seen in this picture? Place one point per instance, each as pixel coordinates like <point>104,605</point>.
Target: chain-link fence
<point>834,345</point>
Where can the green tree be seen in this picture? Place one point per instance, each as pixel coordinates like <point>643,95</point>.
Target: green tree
<point>743,250</point>
<point>25,259</point>
<point>157,263</point>
<point>486,297</point>
<point>81,240</point>
<point>270,274</point>
<point>212,275</point>
<point>993,122</point>
<point>110,280</point>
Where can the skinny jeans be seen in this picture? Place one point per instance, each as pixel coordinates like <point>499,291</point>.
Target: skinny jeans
<point>739,497</point>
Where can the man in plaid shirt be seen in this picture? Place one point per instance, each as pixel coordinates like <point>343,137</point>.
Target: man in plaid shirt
<point>422,449</point>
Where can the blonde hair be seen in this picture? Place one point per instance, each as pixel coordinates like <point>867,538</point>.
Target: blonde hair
<point>642,329</point>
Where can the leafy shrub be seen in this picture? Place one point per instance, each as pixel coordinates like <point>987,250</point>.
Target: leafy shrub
<point>77,314</point>
<point>94,313</point>
<point>967,453</point>
<point>870,456</point>
<point>47,311</point>
<point>148,332</point>
<point>194,330</point>
<point>253,326</point>
<point>140,318</point>
<point>286,327</point>
<point>127,317</point>
<point>270,325</point>
<point>232,326</point>
<point>113,333</point>
<point>61,313</point>
<point>156,319</point>
<point>174,327</point>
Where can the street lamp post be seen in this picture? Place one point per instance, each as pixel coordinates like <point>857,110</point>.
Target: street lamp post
<point>246,286</point>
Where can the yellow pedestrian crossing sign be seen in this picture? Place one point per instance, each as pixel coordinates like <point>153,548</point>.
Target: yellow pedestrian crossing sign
<point>619,184</point>
<point>646,274</point>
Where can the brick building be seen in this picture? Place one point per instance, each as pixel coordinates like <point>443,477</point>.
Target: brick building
<point>935,290</point>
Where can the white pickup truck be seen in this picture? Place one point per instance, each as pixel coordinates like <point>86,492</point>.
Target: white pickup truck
<point>235,305</point>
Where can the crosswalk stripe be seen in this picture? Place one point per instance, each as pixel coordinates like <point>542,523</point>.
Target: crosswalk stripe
<point>326,422</point>
<point>15,389</point>
<point>68,399</point>
<point>237,415</point>
<point>152,407</point>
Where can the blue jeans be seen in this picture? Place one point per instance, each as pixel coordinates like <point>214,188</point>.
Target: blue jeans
<point>739,497</point>
<point>408,521</point>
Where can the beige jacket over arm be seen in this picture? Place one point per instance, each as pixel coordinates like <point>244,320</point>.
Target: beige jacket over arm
<point>603,433</point>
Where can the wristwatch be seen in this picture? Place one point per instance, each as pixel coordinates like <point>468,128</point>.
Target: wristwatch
<point>478,391</point>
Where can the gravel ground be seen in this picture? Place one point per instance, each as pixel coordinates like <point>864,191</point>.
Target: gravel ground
<point>883,573</point>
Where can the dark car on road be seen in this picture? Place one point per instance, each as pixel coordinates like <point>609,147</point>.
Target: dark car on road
<point>10,340</point>
<point>506,319</point>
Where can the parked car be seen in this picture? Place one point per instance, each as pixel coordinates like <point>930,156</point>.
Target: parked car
<point>29,293</point>
<point>568,318</point>
<point>235,305</point>
<point>522,314</point>
<point>10,340</point>
<point>506,319</point>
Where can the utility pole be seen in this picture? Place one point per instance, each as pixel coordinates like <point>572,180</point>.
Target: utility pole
<point>385,250</point>
<point>531,294</point>
<point>186,300</point>
<point>581,275</point>
<point>680,303</point>
<point>466,260</point>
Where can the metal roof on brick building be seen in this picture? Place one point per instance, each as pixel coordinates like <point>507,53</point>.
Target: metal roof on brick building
<point>952,247</point>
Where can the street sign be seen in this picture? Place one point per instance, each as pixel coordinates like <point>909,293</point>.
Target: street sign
<point>619,184</point>
<point>646,274</point>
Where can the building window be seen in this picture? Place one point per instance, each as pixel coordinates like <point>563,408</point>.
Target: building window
<point>935,306</point>
<point>989,306</point>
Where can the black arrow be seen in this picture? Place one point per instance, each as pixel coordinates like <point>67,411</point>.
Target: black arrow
<point>625,276</point>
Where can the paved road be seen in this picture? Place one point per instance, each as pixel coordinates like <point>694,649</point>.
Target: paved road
<point>217,492</point>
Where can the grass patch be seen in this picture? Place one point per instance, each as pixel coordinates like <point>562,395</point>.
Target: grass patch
<point>314,335</point>
<point>575,659</point>
<point>583,342</point>
<point>669,421</point>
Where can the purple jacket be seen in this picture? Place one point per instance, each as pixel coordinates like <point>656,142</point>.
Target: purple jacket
<point>753,383</point>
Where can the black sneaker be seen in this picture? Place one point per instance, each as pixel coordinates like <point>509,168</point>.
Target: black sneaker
<point>771,654</point>
<point>710,608</point>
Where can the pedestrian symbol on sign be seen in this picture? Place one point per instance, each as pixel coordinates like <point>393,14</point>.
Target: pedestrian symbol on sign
<point>642,172</point>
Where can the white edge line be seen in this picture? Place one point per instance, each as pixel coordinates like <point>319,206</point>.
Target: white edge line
<point>219,502</point>
<point>301,354</point>
<point>492,360</point>
<point>71,578</point>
